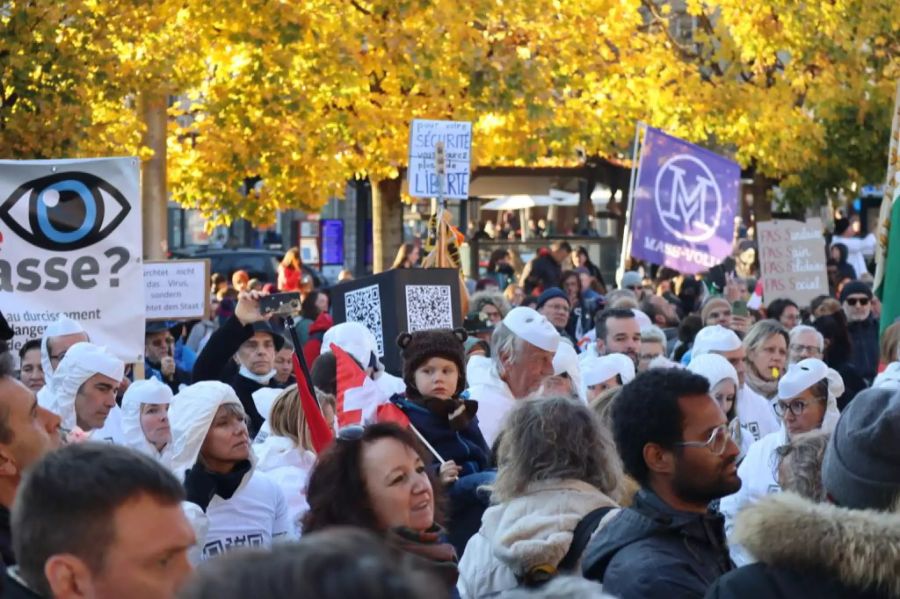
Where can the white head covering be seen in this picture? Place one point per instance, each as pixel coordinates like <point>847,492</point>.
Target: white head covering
<point>355,339</point>
<point>715,338</point>
<point>890,378</point>
<point>191,414</point>
<point>566,361</point>
<point>149,391</point>
<point>715,368</point>
<point>598,370</point>
<point>63,325</point>
<point>641,317</point>
<point>264,398</point>
<point>82,361</point>
<point>806,373</point>
<point>531,326</point>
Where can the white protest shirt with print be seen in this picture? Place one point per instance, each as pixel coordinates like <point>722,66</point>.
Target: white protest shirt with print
<point>495,401</point>
<point>254,517</point>
<point>755,413</point>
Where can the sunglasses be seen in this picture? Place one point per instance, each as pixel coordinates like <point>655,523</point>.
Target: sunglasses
<point>862,301</point>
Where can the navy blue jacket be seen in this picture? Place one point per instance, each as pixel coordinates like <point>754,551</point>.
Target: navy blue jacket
<point>651,550</point>
<point>466,447</point>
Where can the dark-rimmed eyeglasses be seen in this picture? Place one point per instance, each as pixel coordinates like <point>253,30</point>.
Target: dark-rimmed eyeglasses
<point>794,406</point>
<point>351,433</point>
<point>862,301</point>
<point>717,442</point>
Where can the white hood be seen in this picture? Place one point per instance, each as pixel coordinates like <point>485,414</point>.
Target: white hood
<point>355,339</point>
<point>890,378</point>
<point>191,415</point>
<point>149,391</point>
<point>479,370</point>
<point>82,361</point>
<point>62,326</point>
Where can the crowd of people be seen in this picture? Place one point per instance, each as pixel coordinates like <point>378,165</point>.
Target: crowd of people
<point>670,437</point>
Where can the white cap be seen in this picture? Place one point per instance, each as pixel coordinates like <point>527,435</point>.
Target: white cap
<point>598,370</point>
<point>642,319</point>
<point>565,359</point>
<point>63,325</point>
<point>714,368</point>
<point>806,373</point>
<point>715,338</point>
<point>149,391</point>
<point>532,327</point>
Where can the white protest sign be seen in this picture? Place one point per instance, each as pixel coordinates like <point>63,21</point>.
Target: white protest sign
<point>422,176</point>
<point>176,290</point>
<point>70,243</point>
<point>792,260</point>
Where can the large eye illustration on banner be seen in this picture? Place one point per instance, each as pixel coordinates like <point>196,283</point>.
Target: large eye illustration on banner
<point>65,211</point>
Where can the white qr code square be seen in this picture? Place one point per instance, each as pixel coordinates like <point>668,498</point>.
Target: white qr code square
<point>364,305</point>
<point>428,307</point>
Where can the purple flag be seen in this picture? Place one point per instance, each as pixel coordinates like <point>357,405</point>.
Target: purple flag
<point>684,204</point>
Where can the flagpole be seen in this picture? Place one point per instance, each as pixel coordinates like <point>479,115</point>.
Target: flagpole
<point>635,172</point>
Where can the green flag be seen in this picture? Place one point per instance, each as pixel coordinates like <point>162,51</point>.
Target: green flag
<point>887,257</point>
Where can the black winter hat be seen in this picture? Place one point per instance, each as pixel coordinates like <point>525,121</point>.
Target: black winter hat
<point>421,346</point>
<point>855,288</point>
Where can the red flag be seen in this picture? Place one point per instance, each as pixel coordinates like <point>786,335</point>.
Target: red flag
<point>349,376</point>
<point>388,412</point>
<point>319,432</point>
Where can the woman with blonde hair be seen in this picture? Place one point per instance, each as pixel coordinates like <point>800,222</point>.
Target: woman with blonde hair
<point>286,453</point>
<point>407,256</point>
<point>766,345</point>
<point>289,271</point>
<point>559,476</point>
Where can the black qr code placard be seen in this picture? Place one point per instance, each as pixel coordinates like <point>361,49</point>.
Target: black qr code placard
<point>428,307</point>
<point>364,305</point>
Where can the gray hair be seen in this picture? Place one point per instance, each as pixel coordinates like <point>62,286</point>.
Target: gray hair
<point>489,297</point>
<point>653,334</point>
<point>555,438</point>
<point>801,464</point>
<point>805,328</point>
<point>504,341</point>
<point>621,298</point>
<point>761,331</point>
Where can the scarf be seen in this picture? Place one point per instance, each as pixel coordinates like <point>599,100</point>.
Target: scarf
<point>457,412</point>
<point>262,379</point>
<point>201,485</point>
<point>429,546</point>
<point>755,381</point>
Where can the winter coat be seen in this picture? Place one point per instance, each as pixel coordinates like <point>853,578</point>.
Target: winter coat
<point>6,550</point>
<point>288,278</point>
<point>255,514</point>
<point>181,377</point>
<point>495,401</point>
<point>15,588</point>
<point>532,530</point>
<point>755,413</point>
<point>214,364</point>
<point>466,447</point>
<point>650,550</point>
<point>289,467</point>
<point>541,273</point>
<point>864,342</point>
<point>313,346</point>
<point>814,550</point>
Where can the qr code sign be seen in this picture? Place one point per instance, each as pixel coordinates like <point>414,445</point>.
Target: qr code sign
<point>364,305</point>
<point>428,307</point>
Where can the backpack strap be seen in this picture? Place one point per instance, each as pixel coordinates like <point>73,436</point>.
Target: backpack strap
<point>580,537</point>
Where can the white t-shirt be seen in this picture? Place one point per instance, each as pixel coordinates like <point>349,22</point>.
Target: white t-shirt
<point>255,516</point>
<point>755,413</point>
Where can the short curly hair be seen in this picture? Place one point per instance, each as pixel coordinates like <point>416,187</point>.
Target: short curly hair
<point>647,411</point>
<point>488,297</point>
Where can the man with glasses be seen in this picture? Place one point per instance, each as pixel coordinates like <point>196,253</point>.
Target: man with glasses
<point>159,358</point>
<point>632,280</point>
<point>856,300</point>
<point>553,304</point>
<point>806,342</point>
<point>58,337</point>
<point>673,439</point>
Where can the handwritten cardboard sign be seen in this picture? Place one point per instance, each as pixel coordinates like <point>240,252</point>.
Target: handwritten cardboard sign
<point>422,176</point>
<point>176,290</point>
<point>792,260</point>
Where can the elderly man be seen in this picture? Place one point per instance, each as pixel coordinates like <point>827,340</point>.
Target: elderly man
<point>554,304</point>
<point>753,410</point>
<point>522,349</point>
<point>159,355</point>
<point>83,392</point>
<point>653,345</point>
<point>58,338</point>
<point>806,342</point>
<point>856,300</point>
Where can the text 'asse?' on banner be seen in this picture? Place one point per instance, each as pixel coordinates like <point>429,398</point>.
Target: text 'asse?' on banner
<point>176,290</point>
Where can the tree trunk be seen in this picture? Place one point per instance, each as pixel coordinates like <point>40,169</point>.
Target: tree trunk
<point>387,223</point>
<point>762,203</point>
<point>154,195</point>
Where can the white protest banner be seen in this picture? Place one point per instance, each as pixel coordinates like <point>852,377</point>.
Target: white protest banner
<point>71,244</point>
<point>422,176</point>
<point>176,290</point>
<point>792,260</point>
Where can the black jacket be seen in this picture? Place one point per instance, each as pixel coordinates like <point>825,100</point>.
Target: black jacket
<point>181,377</point>
<point>215,364</point>
<point>13,589</point>
<point>652,550</point>
<point>6,550</point>
<point>816,550</point>
<point>541,273</point>
<point>864,342</point>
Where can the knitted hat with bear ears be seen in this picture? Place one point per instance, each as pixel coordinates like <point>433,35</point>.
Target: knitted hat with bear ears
<point>420,346</point>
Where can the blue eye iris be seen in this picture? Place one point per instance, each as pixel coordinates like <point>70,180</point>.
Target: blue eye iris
<point>65,211</point>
